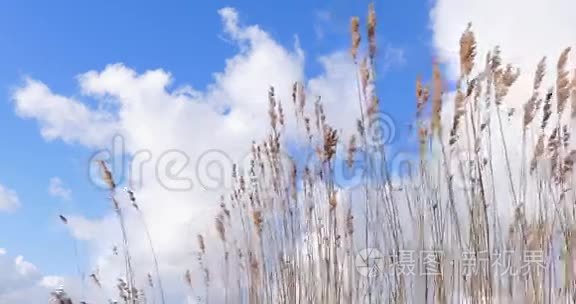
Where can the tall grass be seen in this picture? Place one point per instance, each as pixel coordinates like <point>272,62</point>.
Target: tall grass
<point>471,222</point>
<point>485,214</point>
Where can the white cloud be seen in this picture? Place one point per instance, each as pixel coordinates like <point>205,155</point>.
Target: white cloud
<point>337,88</point>
<point>393,57</point>
<point>153,116</point>
<point>57,189</point>
<point>9,200</point>
<point>19,281</point>
<point>525,30</point>
<point>52,282</point>
<point>60,117</point>
<point>22,282</point>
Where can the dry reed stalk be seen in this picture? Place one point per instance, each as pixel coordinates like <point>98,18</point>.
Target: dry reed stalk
<point>547,109</point>
<point>351,155</point>
<point>422,95</point>
<point>562,82</point>
<point>467,51</point>
<point>531,105</point>
<point>371,32</point>
<point>459,112</point>
<point>356,37</point>
<point>290,248</point>
<point>573,96</point>
<point>438,92</point>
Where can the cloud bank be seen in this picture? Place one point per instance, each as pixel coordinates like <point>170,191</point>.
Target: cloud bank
<point>22,282</point>
<point>9,200</point>
<point>152,115</point>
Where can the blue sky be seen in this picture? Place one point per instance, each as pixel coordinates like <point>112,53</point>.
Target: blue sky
<point>54,41</point>
<point>57,56</point>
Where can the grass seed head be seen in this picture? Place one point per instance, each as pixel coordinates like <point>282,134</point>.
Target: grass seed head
<point>107,175</point>
<point>467,51</point>
<point>371,32</point>
<point>356,37</point>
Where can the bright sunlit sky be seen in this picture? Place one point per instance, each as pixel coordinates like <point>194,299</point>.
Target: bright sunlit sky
<point>56,41</point>
<point>52,119</point>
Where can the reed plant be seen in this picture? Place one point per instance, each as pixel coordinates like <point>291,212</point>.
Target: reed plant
<point>484,214</point>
